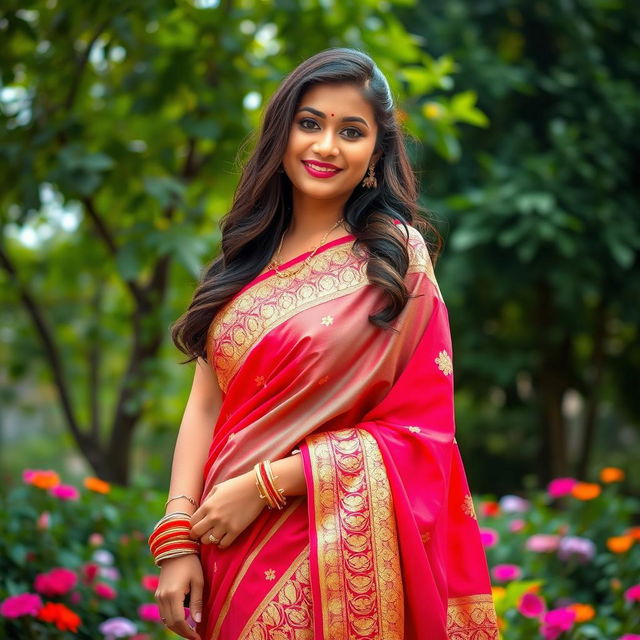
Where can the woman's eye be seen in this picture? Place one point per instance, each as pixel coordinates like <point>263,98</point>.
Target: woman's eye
<point>357,132</point>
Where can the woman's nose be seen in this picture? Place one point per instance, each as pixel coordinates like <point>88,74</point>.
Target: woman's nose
<point>326,144</point>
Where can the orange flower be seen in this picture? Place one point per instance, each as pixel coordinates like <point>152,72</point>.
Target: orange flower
<point>634,532</point>
<point>611,474</point>
<point>534,588</point>
<point>583,612</point>
<point>619,544</point>
<point>44,479</point>
<point>585,490</point>
<point>60,615</point>
<point>97,485</point>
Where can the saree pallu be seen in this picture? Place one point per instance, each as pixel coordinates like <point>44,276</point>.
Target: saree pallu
<point>386,543</point>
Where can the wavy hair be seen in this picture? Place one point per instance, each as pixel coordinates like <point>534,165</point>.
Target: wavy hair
<point>262,202</point>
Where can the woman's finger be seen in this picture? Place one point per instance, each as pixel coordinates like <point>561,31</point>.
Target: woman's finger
<point>211,537</point>
<point>177,622</point>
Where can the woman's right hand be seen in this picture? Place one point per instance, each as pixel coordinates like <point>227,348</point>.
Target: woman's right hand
<point>179,576</point>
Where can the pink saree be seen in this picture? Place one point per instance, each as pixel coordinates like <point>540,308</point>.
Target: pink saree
<point>386,544</point>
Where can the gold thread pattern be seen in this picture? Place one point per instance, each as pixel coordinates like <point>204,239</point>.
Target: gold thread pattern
<point>286,613</point>
<point>331,273</point>
<point>472,618</point>
<point>444,363</point>
<point>468,508</point>
<point>358,557</point>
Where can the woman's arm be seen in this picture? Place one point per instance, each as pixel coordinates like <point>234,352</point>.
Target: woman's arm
<point>194,438</point>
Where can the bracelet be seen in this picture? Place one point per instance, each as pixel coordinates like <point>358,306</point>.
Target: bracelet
<point>266,487</point>
<point>170,537</point>
<point>182,495</point>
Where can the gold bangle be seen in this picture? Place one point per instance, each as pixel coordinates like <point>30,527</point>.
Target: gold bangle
<point>262,489</point>
<point>182,495</point>
<point>282,501</point>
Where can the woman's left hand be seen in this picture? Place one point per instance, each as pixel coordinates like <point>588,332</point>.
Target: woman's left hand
<point>227,511</point>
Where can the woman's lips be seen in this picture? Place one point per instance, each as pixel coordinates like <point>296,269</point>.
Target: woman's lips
<point>320,174</point>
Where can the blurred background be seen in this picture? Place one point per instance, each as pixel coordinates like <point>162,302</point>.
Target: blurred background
<point>124,126</point>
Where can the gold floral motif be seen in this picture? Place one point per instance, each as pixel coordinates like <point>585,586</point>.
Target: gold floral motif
<point>426,536</point>
<point>270,574</point>
<point>444,363</point>
<point>286,613</point>
<point>330,274</point>
<point>323,380</point>
<point>232,436</point>
<point>468,508</point>
<point>259,380</point>
<point>414,429</point>
<point>359,562</point>
<point>472,618</point>
<point>327,320</point>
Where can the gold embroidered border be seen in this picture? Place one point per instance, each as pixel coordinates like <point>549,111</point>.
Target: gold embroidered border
<point>358,558</point>
<point>286,612</point>
<point>247,563</point>
<point>472,618</point>
<point>331,273</point>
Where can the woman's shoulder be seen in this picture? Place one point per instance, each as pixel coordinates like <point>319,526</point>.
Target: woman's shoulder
<point>413,236</point>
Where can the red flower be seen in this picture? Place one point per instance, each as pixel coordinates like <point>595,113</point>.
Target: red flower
<point>89,572</point>
<point>61,616</point>
<point>150,582</point>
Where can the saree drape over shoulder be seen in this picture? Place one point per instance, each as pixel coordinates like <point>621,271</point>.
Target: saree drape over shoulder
<point>386,544</point>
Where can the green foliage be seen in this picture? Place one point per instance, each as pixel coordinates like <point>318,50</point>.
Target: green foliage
<point>541,266</point>
<point>120,133</point>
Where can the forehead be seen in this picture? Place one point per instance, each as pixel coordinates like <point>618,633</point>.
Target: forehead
<point>338,99</point>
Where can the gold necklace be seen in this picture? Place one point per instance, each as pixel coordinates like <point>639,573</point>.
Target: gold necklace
<point>275,263</point>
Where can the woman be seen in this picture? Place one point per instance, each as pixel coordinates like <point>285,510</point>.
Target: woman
<point>329,354</point>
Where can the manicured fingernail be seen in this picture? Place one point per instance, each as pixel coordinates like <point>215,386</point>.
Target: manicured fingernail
<point>197,616</point>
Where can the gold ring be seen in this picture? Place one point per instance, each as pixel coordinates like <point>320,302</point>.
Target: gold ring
<point>213,539</point>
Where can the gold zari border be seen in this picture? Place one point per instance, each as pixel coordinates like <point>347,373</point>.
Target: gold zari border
<point>330,274</point>
<point>361,590</point>
<point>472,618</point>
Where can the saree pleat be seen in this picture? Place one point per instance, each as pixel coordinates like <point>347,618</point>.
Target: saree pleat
<point>385,543</point>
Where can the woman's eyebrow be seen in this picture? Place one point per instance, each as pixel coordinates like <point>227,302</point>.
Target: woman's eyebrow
<point>322,115</point>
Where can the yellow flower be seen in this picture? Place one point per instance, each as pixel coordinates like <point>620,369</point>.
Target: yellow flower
<point>97,485</point>
<point>432,110</point>
<point>619,544</point>
<point>611,474</point>
<point>498,593</point>
<point>583,612</point>
<point>586,490</point>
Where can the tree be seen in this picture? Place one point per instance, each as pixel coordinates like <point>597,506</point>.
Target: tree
<point>127,118</point>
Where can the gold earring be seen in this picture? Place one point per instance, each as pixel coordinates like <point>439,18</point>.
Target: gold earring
<point>370,181</point>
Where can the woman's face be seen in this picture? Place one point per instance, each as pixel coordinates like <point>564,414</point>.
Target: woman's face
<point>320,133</point>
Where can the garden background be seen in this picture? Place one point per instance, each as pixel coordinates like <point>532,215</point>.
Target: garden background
<point>124,126</point>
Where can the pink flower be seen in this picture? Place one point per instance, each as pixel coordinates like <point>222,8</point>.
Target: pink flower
<point>556,622</point>
<point>65,492</point>
<point>44,520</point>
<point>560,487</point>
<point>105,590</point>
<point>24,604</point>
<point>96,539</point>
<point>542,543</point>
<point>632,594</point>
<point>56,582</point>
<point>27,474</point>
<point>489,537</point>
<point>516,525</point>
<point>514,504</point>
<point>531,605</point>
<point>149,612</point>
<point>506,572</point>
<point>629,636</point>
<point>150,582</point>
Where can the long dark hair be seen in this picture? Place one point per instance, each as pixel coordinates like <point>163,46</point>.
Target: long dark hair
<point>261,209</point>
